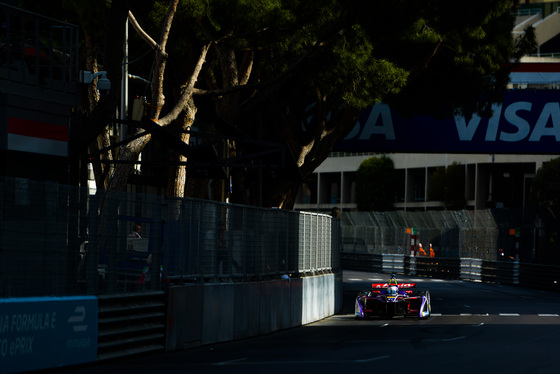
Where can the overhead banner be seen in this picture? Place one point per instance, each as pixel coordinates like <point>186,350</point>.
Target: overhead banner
<point>526,122</point>
<point>47,332</point>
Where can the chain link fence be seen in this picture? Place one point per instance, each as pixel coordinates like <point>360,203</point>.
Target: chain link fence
<point>494,234</point>
<point>59,240</point>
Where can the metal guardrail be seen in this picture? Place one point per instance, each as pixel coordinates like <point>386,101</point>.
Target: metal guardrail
<point>470,269</point>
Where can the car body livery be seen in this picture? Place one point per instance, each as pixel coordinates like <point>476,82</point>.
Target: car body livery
<point>393,299</point>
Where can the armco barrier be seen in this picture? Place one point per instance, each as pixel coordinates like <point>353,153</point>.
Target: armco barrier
<point>469,269</point>
<point>502,272</point>
<point>201,314</point>
<point>393,263</point>
<point>361,261</point>
<point>539,276</point>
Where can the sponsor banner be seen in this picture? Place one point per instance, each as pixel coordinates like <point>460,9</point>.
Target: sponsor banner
<point>526,122</point>
<point>37,137</point>
<point>47,332</point>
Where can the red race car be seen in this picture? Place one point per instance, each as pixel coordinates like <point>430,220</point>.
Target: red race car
<point>393,299</point>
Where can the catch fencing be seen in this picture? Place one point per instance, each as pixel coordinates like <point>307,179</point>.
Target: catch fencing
<point>526,234</point>
<point>59,240</point>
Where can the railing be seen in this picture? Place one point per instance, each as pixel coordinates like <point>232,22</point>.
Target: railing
<point>548,54</point>
<point>529,11</point>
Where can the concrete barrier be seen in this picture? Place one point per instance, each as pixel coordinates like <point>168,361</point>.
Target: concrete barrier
<point>246,310</point>
<point>218,313</point>
<point>201,314</point>
<point>296,302</point>
<point>265,305</point>
<point>184,315</point>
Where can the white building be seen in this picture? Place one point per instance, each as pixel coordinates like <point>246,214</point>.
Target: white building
<point>492,180</point>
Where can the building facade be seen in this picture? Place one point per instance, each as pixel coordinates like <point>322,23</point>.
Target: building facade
<point>491,180</point>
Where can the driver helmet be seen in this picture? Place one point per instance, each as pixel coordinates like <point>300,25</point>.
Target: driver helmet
<point>392,290</point>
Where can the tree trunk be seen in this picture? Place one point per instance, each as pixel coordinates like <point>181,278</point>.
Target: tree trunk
<point>178,174</point>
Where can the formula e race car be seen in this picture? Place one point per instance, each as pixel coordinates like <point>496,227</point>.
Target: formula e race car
<point>393,299</point>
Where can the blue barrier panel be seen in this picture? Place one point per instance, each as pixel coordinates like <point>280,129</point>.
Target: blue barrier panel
<point>47,332</point>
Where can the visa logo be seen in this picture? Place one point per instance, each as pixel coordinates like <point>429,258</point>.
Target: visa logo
<point>512,114</point>
<point>517,121</point>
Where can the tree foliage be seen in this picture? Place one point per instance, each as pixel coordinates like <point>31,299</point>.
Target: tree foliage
<point>291,73</point>
<point>448,186</point>
<point>545,187</point>
<point>375,184</point>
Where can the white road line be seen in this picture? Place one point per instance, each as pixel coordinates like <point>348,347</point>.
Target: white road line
<point>444,340</point>
<point>488,315</point>
<point>230,362</point>
<point>243,361</point>
<point>378,341</point>
<point>373,359</point>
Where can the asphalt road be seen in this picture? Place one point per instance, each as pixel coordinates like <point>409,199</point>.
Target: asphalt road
<point>475,328</point>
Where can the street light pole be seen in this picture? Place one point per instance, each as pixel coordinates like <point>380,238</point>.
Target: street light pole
<point>123,112</point>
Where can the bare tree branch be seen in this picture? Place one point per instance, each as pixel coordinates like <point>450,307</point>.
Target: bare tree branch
<point>140,31</point>
<point>188,90</point>
<point>167,24</point>
<point>161,61</point>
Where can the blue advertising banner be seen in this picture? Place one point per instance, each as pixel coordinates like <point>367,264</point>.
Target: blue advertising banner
<point>527,122</point>
<point>47,332</point>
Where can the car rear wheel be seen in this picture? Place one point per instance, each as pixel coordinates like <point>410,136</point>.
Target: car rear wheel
<point>428,307</point>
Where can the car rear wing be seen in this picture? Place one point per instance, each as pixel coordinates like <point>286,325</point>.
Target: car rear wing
<point>400,285</point>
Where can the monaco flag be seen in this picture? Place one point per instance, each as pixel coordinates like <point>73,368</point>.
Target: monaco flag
<point>37,137</point>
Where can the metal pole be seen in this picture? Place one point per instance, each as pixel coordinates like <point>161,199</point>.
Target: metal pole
<point>123,112</point>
